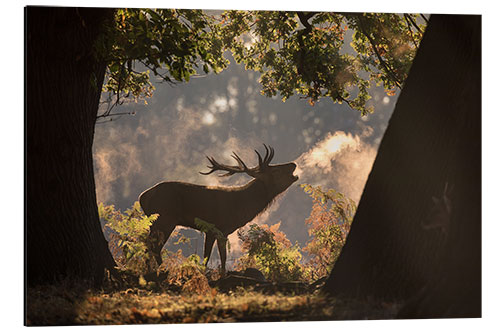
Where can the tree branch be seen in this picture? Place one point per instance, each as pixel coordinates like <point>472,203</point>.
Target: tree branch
<point>112,115</point>
<point>425,19</point>
<point>408,24</point>
<point>304,17</point>
<point>408,17</point>
<point>382,61</point>
<point>164,77</point>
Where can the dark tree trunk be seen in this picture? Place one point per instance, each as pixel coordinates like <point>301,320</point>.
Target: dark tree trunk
<point>433,139</point>
<point>63,84</point>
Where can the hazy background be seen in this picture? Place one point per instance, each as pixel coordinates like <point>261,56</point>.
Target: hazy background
<point>167,140</point>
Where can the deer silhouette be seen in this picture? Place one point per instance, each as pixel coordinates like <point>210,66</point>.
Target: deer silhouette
<point>227,208</point>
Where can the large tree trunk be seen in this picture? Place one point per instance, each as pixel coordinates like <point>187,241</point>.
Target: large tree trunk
<point>433,139</point>
<point>63,84</point>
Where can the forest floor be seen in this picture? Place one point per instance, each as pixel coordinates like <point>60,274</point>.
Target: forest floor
<point>68,304</point>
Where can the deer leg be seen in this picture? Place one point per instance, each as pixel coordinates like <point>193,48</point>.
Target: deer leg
<point>155,245</point>
<point>209,243</point>
<point>221,245</point>
<point>158,236</point>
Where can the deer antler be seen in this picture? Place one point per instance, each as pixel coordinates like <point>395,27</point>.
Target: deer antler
<point>241,167</point>
<point>263,163</point>
<point>231,170</point>
<point>269,156</point>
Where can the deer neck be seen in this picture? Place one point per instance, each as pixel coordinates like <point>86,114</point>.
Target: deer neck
<point>256,197</point>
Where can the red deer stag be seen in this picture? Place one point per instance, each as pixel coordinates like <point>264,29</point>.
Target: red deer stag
<point>228,208</point>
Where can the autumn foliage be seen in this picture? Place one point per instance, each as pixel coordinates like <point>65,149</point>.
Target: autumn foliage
<point>269,250</point>
<point>328,226</point>
<point>264,247</point>
<point>127,233</point>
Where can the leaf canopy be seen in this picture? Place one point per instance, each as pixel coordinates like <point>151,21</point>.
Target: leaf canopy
<point>309,54</point>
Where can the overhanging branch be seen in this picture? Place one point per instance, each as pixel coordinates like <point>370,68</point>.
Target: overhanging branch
<point>386,66</point>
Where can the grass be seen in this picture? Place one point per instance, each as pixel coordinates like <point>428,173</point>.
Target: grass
<point>70,304</point>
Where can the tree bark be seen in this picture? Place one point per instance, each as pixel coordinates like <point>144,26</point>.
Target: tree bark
<point>433,139</point>
<point>63,86</point>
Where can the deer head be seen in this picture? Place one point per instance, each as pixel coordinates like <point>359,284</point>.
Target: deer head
<point>278,177</point>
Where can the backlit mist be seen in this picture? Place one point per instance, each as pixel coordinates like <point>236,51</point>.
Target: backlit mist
<point>214,115</point>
